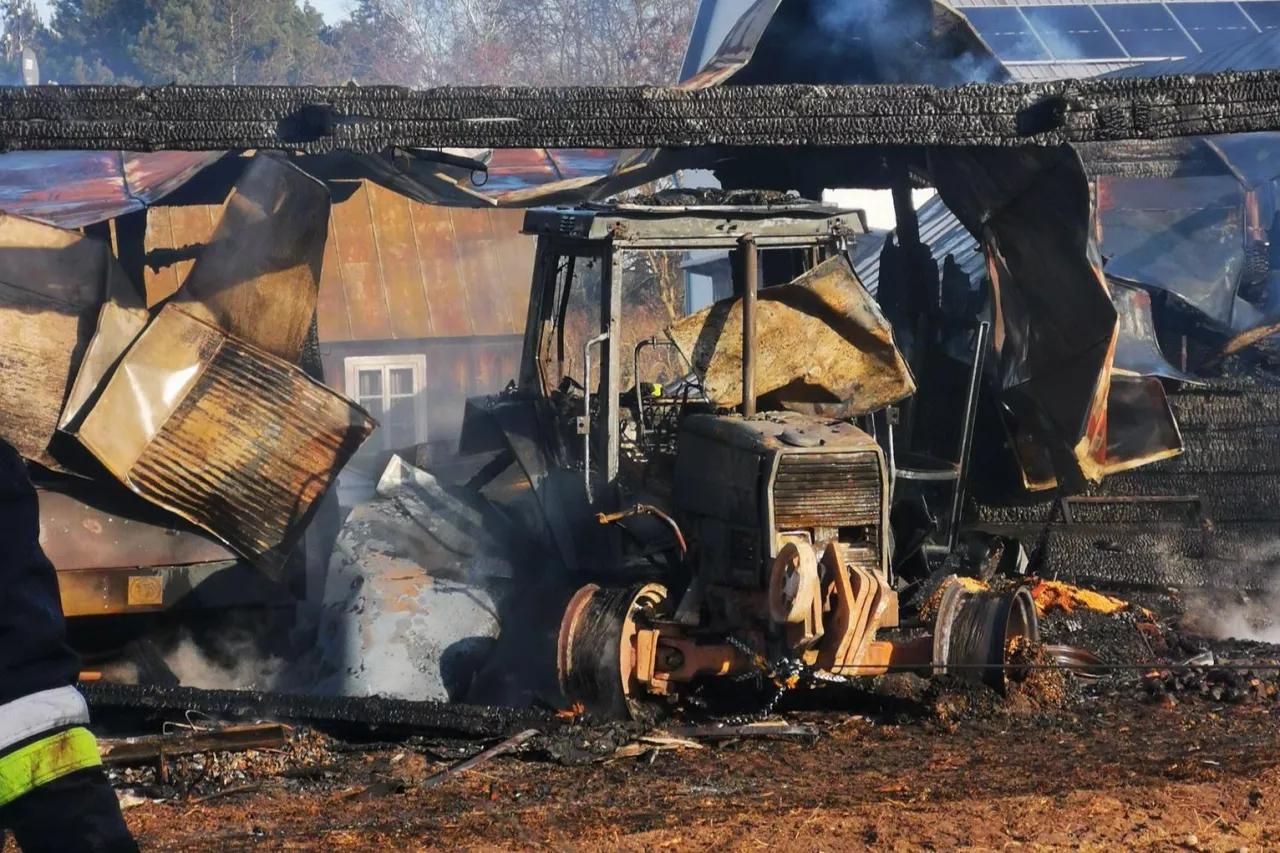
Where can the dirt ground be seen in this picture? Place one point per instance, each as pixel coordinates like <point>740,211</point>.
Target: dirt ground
<point>1111,773</point>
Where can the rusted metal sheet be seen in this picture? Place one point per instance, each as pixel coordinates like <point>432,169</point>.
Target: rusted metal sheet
<point>822,342</point>
<point>333,321</point>
<point>52,284</point>
<point>482,275</point>
<point>72,189</point>
<point>258,275</point>
<point>398,257</point>
<point>393,269</point>
<point>358,266</point>
<point>79,535</point>
<point>447,297</point>
<point>227,436</point>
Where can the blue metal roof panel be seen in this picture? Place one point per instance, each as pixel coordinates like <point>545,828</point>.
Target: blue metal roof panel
<point>943,234</point>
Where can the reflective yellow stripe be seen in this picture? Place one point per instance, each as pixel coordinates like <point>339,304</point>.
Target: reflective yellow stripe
<point>45,760</point>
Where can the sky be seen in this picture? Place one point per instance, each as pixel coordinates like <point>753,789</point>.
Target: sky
<point>333,10</point>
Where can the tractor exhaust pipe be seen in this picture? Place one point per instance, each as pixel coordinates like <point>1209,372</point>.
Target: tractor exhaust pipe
<point>750,278</point>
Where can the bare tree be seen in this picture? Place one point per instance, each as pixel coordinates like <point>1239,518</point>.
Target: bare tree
<point>541,42</point>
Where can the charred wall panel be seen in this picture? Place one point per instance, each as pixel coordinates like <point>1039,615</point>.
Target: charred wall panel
<point>1216,512</point>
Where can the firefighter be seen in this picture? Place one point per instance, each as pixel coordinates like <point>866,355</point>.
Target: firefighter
<point>54,795</point>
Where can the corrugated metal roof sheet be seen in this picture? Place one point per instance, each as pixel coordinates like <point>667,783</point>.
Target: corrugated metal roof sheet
<point>71,189</point>
<point>943,234</point>
<point>1032,72</point>
<point>393,268</point>
<point>1258,53</point>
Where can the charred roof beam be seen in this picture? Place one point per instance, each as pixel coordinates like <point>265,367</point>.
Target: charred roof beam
<point>375,119</point>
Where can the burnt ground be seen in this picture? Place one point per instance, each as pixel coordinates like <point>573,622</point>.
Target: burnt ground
<point>1154,757</point>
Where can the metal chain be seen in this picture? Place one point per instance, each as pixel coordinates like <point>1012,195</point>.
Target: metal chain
<point>785,675</point>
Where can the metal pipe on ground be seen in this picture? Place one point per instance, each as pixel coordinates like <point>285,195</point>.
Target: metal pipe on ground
<point>750,279</point>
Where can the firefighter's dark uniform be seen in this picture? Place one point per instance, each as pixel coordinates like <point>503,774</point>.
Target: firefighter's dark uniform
<point>54,795</point>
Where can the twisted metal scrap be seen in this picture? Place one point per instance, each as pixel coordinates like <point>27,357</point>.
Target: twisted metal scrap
<point>373,119</point>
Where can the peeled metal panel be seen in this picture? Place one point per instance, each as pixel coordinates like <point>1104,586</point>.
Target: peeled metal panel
<point>820,340</point>
<point>1055,328</point>
<point>52,286</point>
<point>258,275</point>
<point>121,319</point>
<point>438,258</point>
<point>1141,428</point>
<point>71,189</point>
<point>229,437</point>
<point>398,256</point>
<point>1137,349</point>
<point>482,273</point>
<point>361,274</point>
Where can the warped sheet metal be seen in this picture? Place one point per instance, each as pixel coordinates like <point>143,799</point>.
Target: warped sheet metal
<point>1055,328</point>
<point>53,285</point>
<point>1181,235</point>
<point>225,435</point>
<point>1141,428</point>
<point>259,276</point>
<point>821,342</point>
<point>1138,351</point>
<point>72,189</point>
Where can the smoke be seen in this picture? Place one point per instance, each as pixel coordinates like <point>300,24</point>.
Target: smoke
<point>900,39</point>
<point>1238,614</point>
<point>236,664</point>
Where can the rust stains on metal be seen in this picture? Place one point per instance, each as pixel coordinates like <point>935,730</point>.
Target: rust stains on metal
<point>258,276</point>
<point>52,283</point>
<point>393,268</point>
<point>225,435</point>
<point>822,344</point>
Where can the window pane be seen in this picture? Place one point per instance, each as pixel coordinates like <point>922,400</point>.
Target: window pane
<point>1073,32</point>
<point>1146,29</point>
<point>400,424</point>
<point>1213,25</point>
<point>401,380</point>
<point>653,297</point>
<point>1266,13</point>
<point>1007,34</point>
<point>374,405</point>
<point>369,383</point>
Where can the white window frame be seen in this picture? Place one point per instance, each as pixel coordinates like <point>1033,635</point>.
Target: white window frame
<point>418,363</point>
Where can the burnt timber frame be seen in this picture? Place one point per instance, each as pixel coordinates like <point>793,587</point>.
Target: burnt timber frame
<point>317,120</point>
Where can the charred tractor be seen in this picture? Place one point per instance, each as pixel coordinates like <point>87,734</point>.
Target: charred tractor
<point>704,487</point>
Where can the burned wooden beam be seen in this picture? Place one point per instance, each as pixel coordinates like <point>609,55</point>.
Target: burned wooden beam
<point>374,119</point>
<point>134,750</point>
<point>370,713</point>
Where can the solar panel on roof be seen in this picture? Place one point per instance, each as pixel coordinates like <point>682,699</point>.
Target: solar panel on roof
<point>1146,29</point>
<point>1265,13</point>
<point>1006,32</point>
<point>1213,25</point>
<point>1073,32</point>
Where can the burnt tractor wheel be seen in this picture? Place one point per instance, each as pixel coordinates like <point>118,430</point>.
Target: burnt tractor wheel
<point>980,634</point>
<point>596,650</point>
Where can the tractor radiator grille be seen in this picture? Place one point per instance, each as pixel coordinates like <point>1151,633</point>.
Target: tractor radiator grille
<point>827,490</point>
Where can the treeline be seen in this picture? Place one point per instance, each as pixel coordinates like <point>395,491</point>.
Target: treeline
<point>406,42</point>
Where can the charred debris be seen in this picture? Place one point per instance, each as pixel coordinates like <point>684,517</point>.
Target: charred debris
<point>806,484</point>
